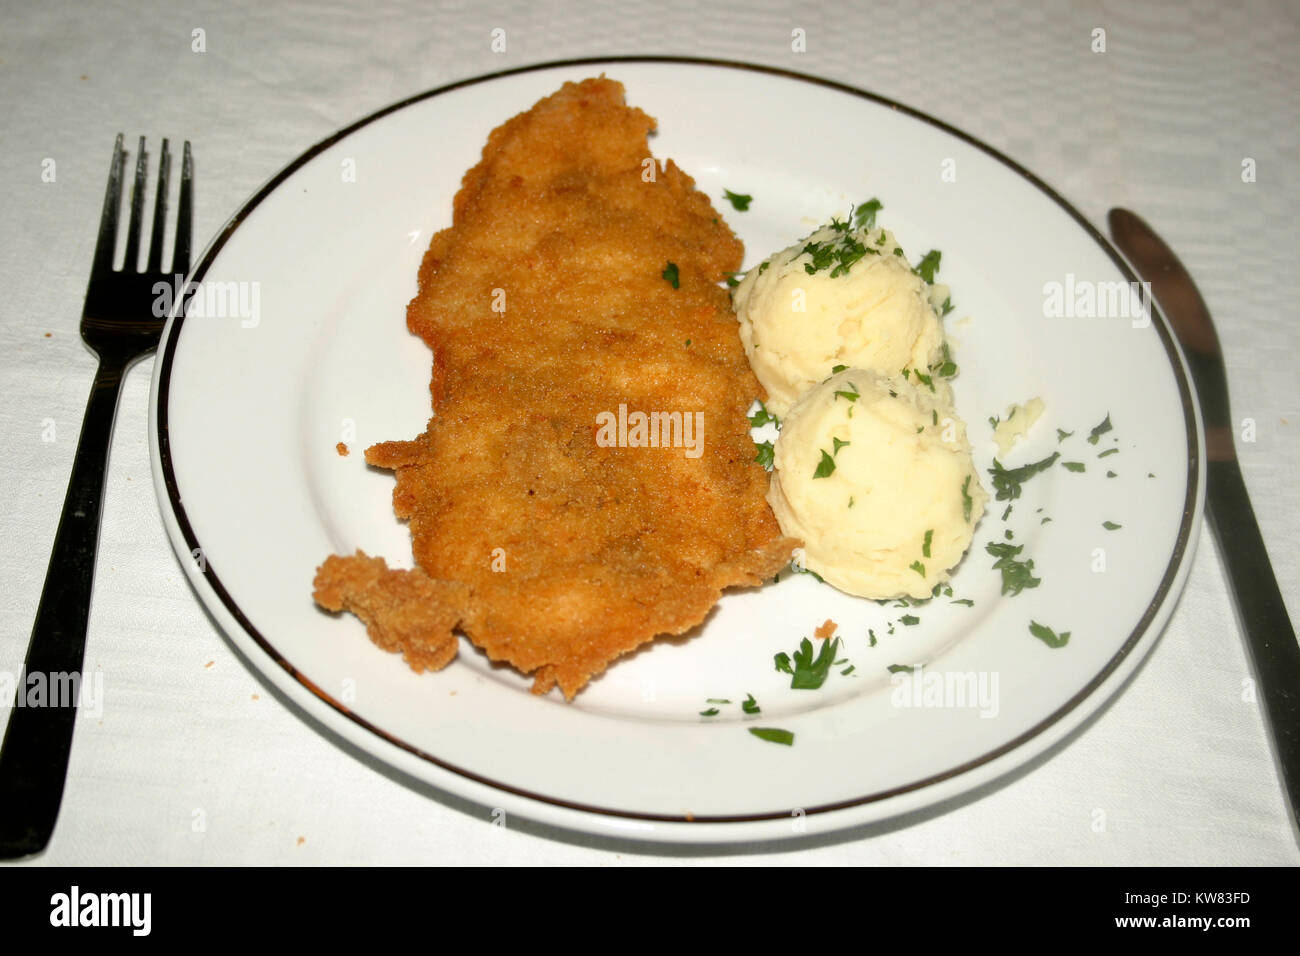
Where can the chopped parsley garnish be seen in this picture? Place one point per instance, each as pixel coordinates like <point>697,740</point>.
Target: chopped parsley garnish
<point>1006,513</point>
<point>739,202</point>
<point>1111,526</point>
<point>1062,435</point>
<point>907,620</point>
<point>1044,521</point>
<point>835,370</point>
<point>966,500</point>
<point>871,636</point>
<point>838,254</point>
<point>1073,466</point>
<point>717,700</point>
<point>1016,575</point>
<point>925,545</point>
<point>762,266</point>
<point>852,393</point>
<point>810,671</point>
<point>947,368</point>
<point>1048,636</point>
<point>946,307</point>
<point>766,454</point>
<point>918,567</point>
<point>825,466</point>
<point>838,445</point>
<point>750,706</point>
<point>782,661</point>
<point>773,735</point>
<point>924,379</point>
<point>1095,435</point>
<point>1110,474</point>
<point>711,712</point>
<point>1109,451</point>
<point>900,668</point>
<point>848,670</point>
<point>967,601</point>
<point>762,417</point>
<point>670,273</point>
<point>864,216</point>
<point>928,266</point>
<point>1007,481</point>
<point>732,281</point>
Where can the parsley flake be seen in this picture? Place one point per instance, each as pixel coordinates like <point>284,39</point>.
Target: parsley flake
<point>1016,575</point>
<point>810,671</point>
<point>739,201</point>
<point>1095,435</point>
<point>1048,636</point>
<point>864,216</point>
<point>928,266</point>
<point>1007,481</point>
<point>670,273</point>
<point>825,467</point>
<point>763,417</point>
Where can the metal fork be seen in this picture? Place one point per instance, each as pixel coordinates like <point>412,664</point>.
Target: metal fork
<point>120,325</point>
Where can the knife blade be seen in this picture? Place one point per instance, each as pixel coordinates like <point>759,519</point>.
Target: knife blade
<point>1261,613</point>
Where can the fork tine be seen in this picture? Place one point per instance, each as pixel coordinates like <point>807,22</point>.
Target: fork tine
<point>106,245</point>
<point>154,265</point>
<point>184,214</point>
<point>132,261</point>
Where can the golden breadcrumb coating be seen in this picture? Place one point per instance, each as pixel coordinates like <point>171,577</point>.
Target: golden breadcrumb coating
<point>546,306</point>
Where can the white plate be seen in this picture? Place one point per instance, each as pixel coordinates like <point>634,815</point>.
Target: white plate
<point>247,414</point>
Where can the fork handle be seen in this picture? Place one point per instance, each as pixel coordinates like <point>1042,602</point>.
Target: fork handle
<point>1270,637</point>
<point>38,739</point>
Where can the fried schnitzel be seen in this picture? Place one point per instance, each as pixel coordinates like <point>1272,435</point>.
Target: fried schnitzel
<point>579,279</point>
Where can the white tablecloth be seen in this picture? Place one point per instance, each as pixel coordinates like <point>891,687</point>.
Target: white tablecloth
<point>1160,122</point>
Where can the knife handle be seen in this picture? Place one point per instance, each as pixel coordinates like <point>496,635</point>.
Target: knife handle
<point>1269,634</point>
